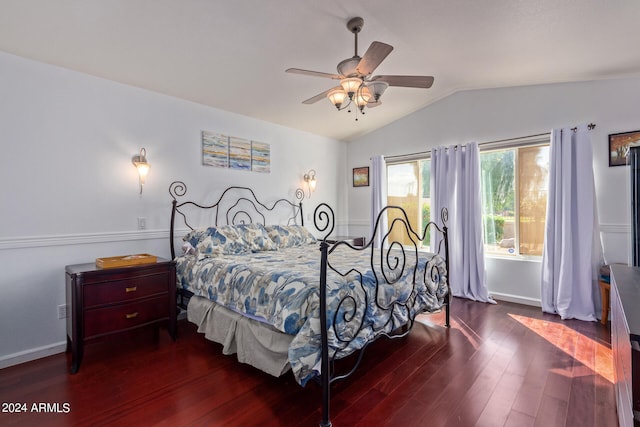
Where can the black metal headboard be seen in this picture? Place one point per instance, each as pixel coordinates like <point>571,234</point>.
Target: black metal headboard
<point>236,205</point>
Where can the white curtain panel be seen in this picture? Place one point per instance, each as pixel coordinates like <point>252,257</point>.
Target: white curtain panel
<point>378,199</point>
<point>572,250</point>
<point>455,184</point>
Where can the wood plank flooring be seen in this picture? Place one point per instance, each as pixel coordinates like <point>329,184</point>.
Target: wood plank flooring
<point>498,365</point>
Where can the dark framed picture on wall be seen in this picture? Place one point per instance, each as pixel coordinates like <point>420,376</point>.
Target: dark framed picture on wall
<point>361,177</point>
<point>619,146</point>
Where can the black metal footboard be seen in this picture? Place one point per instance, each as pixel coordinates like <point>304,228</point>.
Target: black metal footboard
<point>400,257</point>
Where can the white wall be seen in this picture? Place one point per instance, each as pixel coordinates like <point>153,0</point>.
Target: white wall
<point>494,114</point>
<point>70,193</point>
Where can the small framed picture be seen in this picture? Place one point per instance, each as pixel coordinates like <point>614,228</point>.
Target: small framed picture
<point>361,177</point>
<point>619,146</point>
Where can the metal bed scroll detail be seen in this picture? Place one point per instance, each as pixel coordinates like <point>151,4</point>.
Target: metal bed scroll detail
<point>391,263</point>
<point>236,205</point>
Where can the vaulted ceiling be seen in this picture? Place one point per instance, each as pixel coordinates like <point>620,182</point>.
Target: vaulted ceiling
<point>231,54</point>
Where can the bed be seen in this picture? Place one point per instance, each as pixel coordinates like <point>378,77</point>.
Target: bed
<point>255,279</point>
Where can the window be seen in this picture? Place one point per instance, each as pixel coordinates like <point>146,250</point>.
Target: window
<point>514,197</point>
<point>408,186</point>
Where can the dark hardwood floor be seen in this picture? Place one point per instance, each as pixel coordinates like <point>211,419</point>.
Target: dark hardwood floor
<point>498,365</point>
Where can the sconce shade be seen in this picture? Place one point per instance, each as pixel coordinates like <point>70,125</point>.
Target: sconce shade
<point>143,170</point>
<point>141,164</point>
<point>310,179</point>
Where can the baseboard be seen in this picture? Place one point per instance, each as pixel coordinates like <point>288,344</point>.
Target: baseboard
<point>32,354</point>
<point>517,299</point>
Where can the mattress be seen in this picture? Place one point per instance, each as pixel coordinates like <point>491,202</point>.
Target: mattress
<point>366,296</point>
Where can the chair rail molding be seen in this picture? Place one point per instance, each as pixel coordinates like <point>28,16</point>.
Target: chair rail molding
<point>80,239</point>
<point>615,228</point>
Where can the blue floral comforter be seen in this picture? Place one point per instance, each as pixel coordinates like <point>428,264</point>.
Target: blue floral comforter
<point>281,287</point>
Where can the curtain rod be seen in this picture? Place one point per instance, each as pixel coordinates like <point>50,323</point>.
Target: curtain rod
<point>590,126</point>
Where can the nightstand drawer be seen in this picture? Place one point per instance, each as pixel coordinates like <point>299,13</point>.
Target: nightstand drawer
<point>124,316</point>
<point>125,290</point>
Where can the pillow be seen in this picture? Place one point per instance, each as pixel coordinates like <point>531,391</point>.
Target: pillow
<point>230,240</point>
<point>194,236</point>
<point>287,236</point>
<point>222,240</point>
<point>256,237</point>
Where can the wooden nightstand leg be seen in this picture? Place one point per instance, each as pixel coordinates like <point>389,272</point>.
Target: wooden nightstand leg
<point>173,332</point>
<point>76,356</point>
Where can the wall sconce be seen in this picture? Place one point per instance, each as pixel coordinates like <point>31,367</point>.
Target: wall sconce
<point>310,179</point>
<point>140,162</point>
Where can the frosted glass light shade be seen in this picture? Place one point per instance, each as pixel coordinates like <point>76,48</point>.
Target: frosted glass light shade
<point>377,88</point>
<point>362,97</point>
<point>350,85</point>
<point>143,170</point>
<point>337,97</point>
<point>141,164</point>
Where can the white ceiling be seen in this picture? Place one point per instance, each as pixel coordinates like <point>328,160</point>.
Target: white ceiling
<point>231,54</point>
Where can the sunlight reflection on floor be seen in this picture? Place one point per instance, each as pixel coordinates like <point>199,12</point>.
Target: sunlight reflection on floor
<point>568,340</point>
<point>437,319</point>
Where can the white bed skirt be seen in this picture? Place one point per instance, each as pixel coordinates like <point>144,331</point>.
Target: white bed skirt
<point>255,343</point>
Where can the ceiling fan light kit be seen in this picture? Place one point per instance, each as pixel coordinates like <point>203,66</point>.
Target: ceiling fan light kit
<point>357,86</point>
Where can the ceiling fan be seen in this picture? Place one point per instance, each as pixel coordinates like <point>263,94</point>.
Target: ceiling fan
<point>357,85</point>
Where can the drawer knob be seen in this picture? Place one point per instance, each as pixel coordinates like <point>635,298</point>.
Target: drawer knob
<point>132,315</point>
<point>131,289</point>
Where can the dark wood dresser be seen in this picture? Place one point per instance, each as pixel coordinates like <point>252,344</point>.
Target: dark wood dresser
<point>625,341</point>
<point>111,300</point>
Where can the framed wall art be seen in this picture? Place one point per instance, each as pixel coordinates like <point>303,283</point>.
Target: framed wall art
<point>361,176</point>
<point>260,157</point>
<point>215,149</point>
<point>619,146</point>
<point>232,152</point>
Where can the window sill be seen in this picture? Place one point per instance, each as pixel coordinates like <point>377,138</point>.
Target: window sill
<point>528,258</point>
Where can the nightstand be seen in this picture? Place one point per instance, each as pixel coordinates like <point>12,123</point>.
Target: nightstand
<point>353,241</point>
<point>112,300</point>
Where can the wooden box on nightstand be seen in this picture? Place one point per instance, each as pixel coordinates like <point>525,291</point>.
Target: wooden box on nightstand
<point>111,300</point>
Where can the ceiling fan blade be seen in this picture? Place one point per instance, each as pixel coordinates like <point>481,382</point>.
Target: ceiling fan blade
<point>424,82</point>
<point>376,53</point>
<point>313,73</point>
<point>319,96</point>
